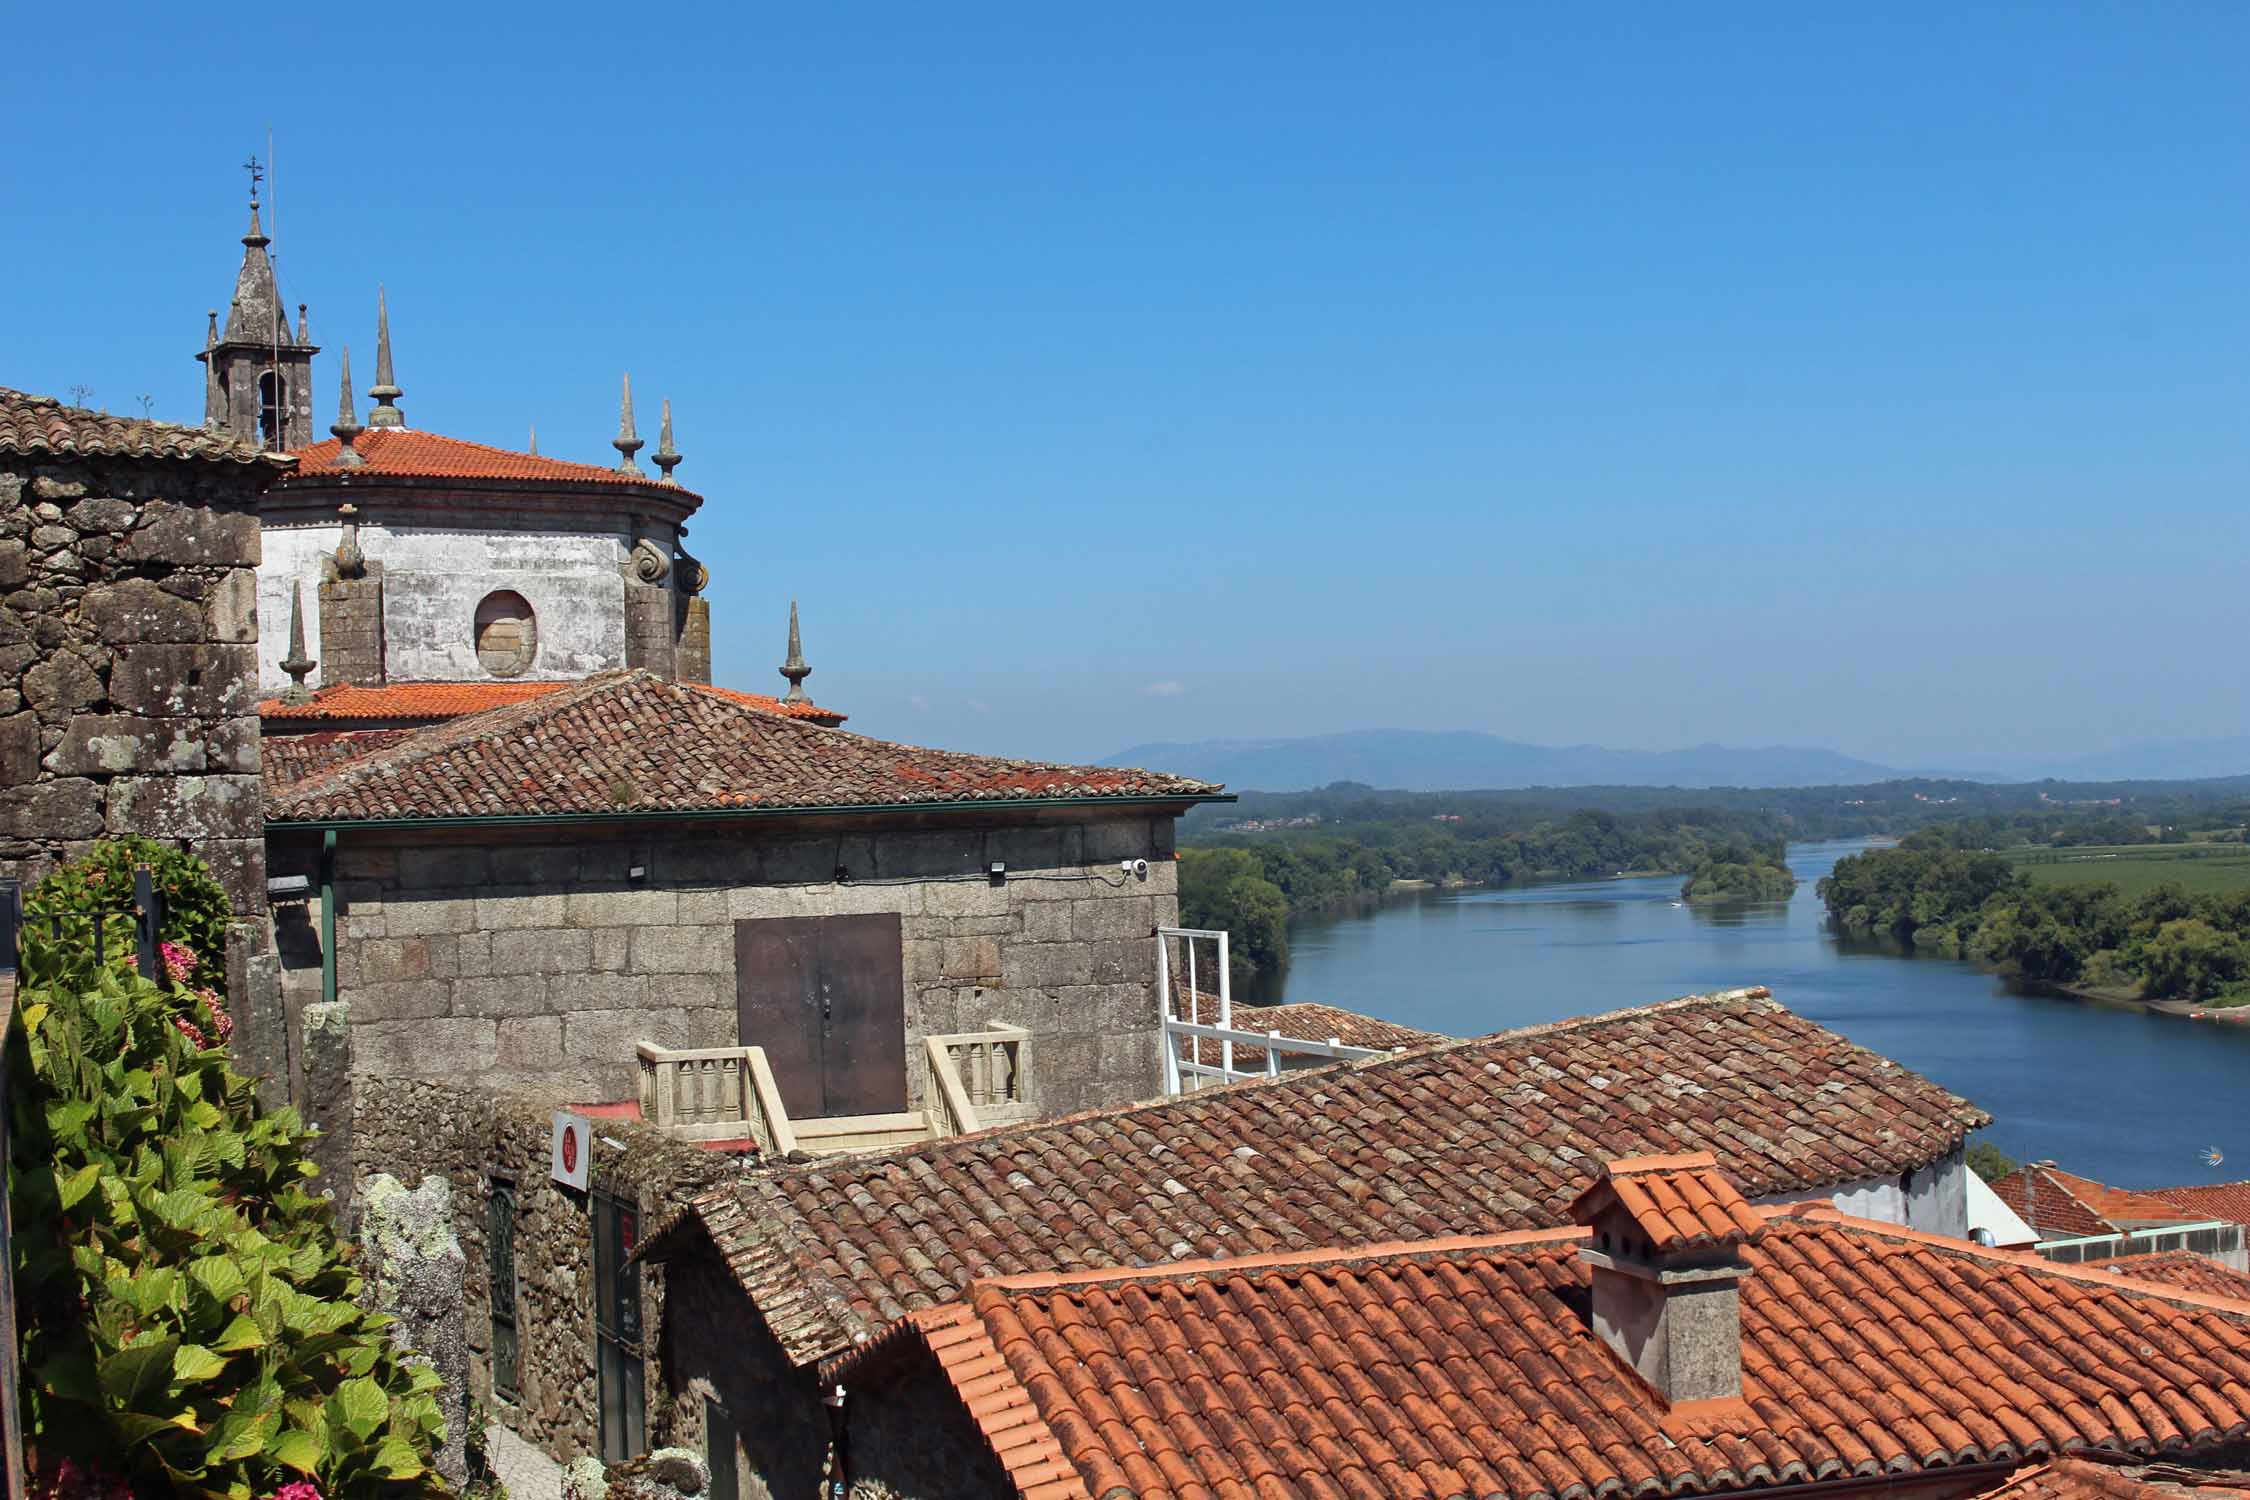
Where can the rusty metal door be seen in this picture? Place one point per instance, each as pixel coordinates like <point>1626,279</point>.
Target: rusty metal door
<point>826,998</point>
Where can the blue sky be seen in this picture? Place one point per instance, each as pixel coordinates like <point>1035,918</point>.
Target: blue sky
<point>1873,377</point>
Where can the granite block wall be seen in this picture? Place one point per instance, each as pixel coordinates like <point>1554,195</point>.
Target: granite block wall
<point>128,662</point>
<point>411,1129</point>
<point>537,965</point>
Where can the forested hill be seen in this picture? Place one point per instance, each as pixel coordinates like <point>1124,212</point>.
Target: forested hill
<point>1427,760</point>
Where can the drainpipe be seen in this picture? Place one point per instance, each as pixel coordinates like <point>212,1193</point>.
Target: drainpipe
<point>328,914</point>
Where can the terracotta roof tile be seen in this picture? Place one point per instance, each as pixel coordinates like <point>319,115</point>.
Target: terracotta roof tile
<point>410,453</point>
<point>450,700</point>
<point>40,426</point>
<point>2210,1200</point>
<point>1470,1368</point>
<point>1676,1203</point>
<point>286,759</point>
<point>2069,1206</point>
<point>630,742</point>
<point>2100,1476</point>
<point>2180,1268</point>
<point>1497,1133</point>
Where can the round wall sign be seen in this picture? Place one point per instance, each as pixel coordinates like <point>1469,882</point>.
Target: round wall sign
<point>570,1148</point>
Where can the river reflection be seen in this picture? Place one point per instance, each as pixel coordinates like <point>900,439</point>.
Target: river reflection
<point>2110,1091</point>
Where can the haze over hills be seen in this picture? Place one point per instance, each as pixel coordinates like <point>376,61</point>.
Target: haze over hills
<point>1418,760</point>
<point>1452,760</point>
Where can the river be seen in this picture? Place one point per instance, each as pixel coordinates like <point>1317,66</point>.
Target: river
<point>2115,1093</point>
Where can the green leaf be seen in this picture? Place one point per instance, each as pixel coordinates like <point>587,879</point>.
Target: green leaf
<point>299,1450</point>
<point>192,1364</point>
<point>395,1458</point>
<point>364,1406</point>
<point>239,1335</point>
<point>132,1373</point>
<point>219,1276</point>
<point>77,1185</point>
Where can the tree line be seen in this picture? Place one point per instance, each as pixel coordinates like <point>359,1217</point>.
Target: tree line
<point>1251,884</point>
<point>2163,945</point>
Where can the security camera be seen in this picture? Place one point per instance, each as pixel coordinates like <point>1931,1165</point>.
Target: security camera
<point>1135,867</point>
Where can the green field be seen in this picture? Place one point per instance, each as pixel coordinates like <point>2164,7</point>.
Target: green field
<point>2135,868</point>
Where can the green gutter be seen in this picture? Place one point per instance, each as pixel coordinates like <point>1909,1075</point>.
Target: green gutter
<point>328,914</point>
<point>329,826</point>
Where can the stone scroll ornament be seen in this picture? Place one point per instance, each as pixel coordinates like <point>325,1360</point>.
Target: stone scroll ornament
<point>649,563</point>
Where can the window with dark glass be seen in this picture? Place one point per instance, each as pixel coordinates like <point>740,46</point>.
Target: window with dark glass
<point>500,1279</point>
<point>617,1328</point>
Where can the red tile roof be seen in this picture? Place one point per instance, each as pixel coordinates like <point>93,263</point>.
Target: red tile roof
<point>42,427</point>
<point>2069,1206</point>
<point>286,759</point>
<point>2180,1268</point>
<point>1676,1203</point>
<point>1501,1132</point>
<point>1469,1367</point>
<point>2101,1476</point>
<point>630,742</point>
<point>2210,1200</point>
<point>409,453</point>
<point>450,700</point>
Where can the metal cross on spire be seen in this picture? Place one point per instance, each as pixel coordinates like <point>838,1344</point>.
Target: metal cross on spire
<point>257,174</point>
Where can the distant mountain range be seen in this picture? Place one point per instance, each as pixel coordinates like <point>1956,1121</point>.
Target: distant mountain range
<point>1417,760</point>
<point>1460,760</point>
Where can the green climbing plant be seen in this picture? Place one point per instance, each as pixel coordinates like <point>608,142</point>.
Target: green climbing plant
<point>189,1319</point>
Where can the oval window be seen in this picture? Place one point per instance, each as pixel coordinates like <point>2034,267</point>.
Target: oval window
<point>507,634</point>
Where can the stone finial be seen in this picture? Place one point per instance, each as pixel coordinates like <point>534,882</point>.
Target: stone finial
<point>296,663</point>
<point>533,450</point>
<point>667,457</point>
<point>256,238</point>
<point>627,442</point>
<point>214,402</point>
<point>385,389</point>
<point>346,426</point>
<point>304,328</point>
<point>795,669</point>
<point>350,561</point>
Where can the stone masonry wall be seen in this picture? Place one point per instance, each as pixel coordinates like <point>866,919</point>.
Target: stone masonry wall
<point>538,966</point>
<point>412,1129</point>
<point>128,662</point>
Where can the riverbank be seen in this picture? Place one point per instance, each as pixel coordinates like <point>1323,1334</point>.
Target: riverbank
<point>2110,1090</point>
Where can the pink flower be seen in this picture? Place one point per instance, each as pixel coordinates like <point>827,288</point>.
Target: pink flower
<point>179,961</point>
<point>303,1489</point>
<point>191,1031</point>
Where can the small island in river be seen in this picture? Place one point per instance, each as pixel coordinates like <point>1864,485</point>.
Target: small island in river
<point>1739,873</point>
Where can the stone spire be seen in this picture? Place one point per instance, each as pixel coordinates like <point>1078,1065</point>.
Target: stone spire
<point>533,450</point>
<point>346,426</point>
<point>257,381</point>
<point>795,669</point>
<point>385,389</point>
<point>296,663</point>
<point>257,316</point>
<point>667,457</point>
<point>627,442</point>
<point>214,400</point>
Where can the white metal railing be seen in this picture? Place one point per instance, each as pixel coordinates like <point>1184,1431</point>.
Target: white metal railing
<point>978,1078</point>
<point>714,1094</point>
<point>1178,1069</point>
<point>1176,950</point>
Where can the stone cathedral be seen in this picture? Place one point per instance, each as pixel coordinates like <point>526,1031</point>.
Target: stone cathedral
<point>395,555</point>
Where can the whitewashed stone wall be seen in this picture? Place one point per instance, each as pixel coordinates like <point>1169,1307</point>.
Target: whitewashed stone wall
<point>1933,1199</point>
<point>433,579</point>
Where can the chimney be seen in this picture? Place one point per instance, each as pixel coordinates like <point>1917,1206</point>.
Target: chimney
<point>1666,1256</point>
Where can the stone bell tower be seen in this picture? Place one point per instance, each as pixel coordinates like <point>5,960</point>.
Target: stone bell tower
<point>257,375</point>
